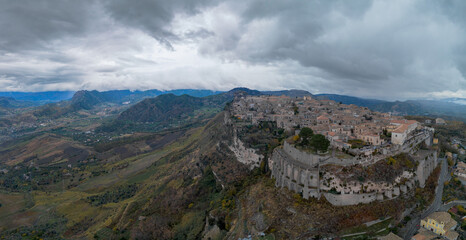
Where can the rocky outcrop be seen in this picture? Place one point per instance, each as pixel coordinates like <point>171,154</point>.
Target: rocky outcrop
<point>245,155</point>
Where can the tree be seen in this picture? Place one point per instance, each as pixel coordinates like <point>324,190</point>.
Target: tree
<point>305,134</point>
<point>295,109</point>
<point>319,142</point>
<point>263,166</point>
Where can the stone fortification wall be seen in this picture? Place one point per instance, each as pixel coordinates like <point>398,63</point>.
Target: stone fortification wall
<point>350,199</point>
<point>294,175</point>
<point>427,162</point>
<point>303,157</point>
<point>303,176</point>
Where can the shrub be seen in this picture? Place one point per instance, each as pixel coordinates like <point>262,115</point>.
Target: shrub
<point>115,195</point>
<point>450,162</point>
<point>391,161</point>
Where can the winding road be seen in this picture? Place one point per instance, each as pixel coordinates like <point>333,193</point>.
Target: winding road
<point>451,204</point>
<point>413,225</point>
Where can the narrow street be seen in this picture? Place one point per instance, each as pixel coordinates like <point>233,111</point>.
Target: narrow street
<point>412,226</point>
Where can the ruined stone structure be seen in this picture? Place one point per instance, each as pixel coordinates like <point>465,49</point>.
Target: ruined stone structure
<point>295,175</point>
<point>300,172</point>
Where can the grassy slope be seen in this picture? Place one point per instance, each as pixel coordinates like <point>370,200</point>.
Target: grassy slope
<point>72,203</point>
<point>11,211</point>
<point>158,172</point>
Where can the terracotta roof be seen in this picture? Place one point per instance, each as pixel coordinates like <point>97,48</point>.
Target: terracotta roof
<point>451,235</point>
<point>370,134</point>
<point>322,117</point>
<point>424,234</point>
<point>401,129</point>
<point>404,121</point>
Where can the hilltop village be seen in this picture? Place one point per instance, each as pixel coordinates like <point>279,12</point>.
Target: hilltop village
<point>358,138</point>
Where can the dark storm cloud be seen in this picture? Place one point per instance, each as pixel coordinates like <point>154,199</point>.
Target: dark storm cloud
<point>387,49</point>
<point>32,24</point>
<point>335,36</point>
<point>201,33</point>
<point>153,16</point>
<point>356,43</point>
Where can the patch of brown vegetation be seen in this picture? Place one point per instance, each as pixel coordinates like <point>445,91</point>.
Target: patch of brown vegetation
<point>426,195</point>
<point>290,216</point>
<point>382,171</point>
<point>44,150</point>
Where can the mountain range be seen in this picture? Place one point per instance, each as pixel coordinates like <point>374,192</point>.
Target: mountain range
<point>450,107</point>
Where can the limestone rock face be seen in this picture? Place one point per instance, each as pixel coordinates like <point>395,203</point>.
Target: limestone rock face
<point>245,155</point>
<point>403,188</point>
<point>212,233</point>
<point>259,222</point>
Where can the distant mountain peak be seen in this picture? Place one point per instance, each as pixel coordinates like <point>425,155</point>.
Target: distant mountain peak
<point>85,99</point>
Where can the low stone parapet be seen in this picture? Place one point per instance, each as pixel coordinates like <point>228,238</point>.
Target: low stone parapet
<point>350,199</point>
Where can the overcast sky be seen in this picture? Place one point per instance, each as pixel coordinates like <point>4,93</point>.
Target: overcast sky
<point>379,49</point>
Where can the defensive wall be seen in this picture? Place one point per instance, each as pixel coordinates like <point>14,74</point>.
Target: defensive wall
<point>299,171</point>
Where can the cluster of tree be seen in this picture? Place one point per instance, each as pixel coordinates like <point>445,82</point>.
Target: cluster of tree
<point>453,190</point>
<point>116,195</point>
<point>307,138</point>
<point>402,161</point>
<point>263,137</point>
<point>295,109</point>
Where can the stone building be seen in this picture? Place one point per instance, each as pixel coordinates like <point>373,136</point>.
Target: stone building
<point>442,224</point>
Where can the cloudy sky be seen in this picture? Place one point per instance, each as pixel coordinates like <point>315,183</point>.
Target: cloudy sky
<point>381,49</point>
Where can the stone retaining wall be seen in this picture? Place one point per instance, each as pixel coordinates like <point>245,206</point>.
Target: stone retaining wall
<point>294,175</point>
<point>350,199</point>
<point>303,157</point>
<point>427,162</point>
